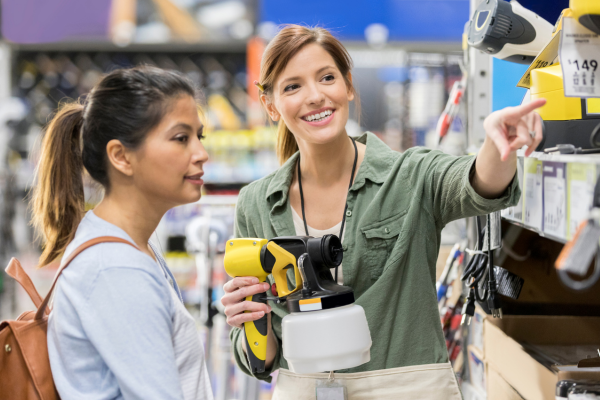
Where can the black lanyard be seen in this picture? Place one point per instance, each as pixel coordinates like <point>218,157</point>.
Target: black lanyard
<point>345,208</point>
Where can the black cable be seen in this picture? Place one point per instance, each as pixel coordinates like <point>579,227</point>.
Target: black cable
<point>345,208</point>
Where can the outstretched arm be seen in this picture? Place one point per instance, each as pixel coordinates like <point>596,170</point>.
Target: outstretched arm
<point>507,130</point>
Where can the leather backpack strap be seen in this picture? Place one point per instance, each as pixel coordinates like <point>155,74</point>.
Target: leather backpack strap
<point>16,271</point>
<point>92,242</point>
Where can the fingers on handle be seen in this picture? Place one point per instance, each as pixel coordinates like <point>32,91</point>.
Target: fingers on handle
<point>243,292</point>
<point>239,282</point>
<point>244,306</point>
<point>239,319</point>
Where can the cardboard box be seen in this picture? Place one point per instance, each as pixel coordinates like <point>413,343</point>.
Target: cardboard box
<point>498,388</point>
<point>530,379</point>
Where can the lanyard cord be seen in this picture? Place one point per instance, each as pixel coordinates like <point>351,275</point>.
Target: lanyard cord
<point>345,208</point>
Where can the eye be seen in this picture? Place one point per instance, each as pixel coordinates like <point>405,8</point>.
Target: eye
<point>328,77</point>
<point>291,87</point>
<point>182,138</point>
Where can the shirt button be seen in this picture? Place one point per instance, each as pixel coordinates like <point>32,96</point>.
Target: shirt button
<point>348,213</point>
<point>387,230</point>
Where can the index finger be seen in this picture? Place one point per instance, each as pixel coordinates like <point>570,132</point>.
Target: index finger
<point>238,282</point>
<point>524,109</point>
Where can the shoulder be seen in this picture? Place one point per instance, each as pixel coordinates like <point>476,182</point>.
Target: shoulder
<point>104,256</point>
<point>255,194</point>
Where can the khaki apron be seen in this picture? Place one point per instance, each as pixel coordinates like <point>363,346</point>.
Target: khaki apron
<point>417,382</point>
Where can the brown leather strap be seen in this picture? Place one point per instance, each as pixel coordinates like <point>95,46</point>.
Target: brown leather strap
<point>16,271</point>
<point>102,239</point>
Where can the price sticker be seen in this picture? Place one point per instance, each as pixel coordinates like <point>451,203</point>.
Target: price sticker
<point>579,58</point>
<point>548,56</point>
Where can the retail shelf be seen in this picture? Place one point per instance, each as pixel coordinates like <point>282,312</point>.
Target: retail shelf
<point>530,228</point>
<point>99,46</point>
<point>557,193</point>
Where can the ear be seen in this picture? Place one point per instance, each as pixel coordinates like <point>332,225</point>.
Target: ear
<point>270,107</point>
<point>350,92</point>
<point>119,157</point>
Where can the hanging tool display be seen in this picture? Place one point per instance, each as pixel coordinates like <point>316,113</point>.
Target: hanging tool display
<point>452,106</point>
<point>587,12</point>
<point>508,31</point>
<point>566,120</point>
<point>577,255</point>
<point>480,274</point>
<point>316,303</point>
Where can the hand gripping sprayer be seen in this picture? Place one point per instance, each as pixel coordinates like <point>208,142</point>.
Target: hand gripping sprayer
<point>325,330</point>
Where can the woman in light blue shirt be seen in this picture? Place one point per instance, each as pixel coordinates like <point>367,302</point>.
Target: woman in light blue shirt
<point>118,328</point>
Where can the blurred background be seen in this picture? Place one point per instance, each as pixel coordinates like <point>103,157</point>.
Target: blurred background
<point>408,55</point>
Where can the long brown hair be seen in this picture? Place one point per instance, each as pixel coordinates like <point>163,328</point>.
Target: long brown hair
<point>125,105</point>
<point>288,42</point>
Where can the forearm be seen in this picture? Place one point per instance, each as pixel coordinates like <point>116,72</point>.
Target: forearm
<point>492,175</point>
<point>271,344</point>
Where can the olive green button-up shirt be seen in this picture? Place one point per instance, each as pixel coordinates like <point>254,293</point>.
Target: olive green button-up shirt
<point>397,207</point>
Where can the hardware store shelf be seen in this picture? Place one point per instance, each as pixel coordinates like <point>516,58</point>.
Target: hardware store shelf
<point>557,193</point>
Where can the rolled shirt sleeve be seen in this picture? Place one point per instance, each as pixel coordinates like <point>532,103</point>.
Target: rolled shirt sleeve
<point>453,197</point>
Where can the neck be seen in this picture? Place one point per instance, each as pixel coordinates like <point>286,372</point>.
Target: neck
<point>325,164</point>
<point>133,213</point>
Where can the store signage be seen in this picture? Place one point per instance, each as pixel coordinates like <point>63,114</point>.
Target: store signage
<point>580,58</point>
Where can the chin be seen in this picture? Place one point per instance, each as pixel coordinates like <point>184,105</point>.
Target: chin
<point>325,135</point>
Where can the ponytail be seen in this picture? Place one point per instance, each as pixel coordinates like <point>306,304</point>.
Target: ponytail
<point>58,200</point>
<point>286,143</point>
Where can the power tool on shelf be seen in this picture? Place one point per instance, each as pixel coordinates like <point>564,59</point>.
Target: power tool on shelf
<point>325,330</point>
<point>508,31</point>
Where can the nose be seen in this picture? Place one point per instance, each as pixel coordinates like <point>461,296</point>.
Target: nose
<point>199,155</point>
<point>315,95</point>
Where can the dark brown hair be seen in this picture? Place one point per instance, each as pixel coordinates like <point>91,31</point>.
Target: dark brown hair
<point>288,42</point>
<point>125,105</point>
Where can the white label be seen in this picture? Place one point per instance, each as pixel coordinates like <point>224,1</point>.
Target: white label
<point>581,200</point>
<point>533,202</point>
<point>580,59</point>
<point>583,396</point>
<point>333,393</point>
<point>555,206</point>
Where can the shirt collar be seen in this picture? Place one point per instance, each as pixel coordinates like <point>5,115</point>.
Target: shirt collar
<point>375,167</point>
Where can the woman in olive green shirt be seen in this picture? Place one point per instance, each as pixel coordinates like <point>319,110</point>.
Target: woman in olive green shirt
<point>394,212</point>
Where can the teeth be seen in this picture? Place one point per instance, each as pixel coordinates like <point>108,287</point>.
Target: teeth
<point>319,116</point>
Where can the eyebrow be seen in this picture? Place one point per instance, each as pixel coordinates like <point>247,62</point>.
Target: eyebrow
<point>186,127</point>
<point>293,78</point>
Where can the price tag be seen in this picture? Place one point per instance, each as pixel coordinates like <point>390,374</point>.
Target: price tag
<point>548,56</point>
<point>555,203</point>
<point>581,179</point>
<point>533,195</point>
<point>579,58</point>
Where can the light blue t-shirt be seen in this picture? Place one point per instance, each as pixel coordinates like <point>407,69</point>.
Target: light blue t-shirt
<point>115,322</point>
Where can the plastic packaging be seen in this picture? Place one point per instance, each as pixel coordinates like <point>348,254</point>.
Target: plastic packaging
<point>326,340</point>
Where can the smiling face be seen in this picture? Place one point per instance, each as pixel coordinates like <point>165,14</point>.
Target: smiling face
<point>168,165</point>
<point>311,96</point>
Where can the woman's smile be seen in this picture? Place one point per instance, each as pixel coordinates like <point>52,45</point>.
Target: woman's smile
<point>320,117</point>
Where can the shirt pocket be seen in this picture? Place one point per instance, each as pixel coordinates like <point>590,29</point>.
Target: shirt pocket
<point>381,238</point>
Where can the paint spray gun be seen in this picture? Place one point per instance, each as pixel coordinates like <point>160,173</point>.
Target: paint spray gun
<point>325,330</point>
